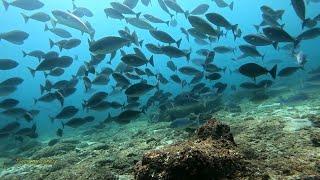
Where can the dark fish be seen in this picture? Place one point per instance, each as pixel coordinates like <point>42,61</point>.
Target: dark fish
<point>277,34</point>
<point>72,21</point>
<point>184,31</point>
<point>139,89</point>
<point>189,70</point>
<point>112,13</point>
<point>249,51</point>
<point>213,76</point>
<point>131,3</point>
<point>254,70</point>
<point>146,2</point>
<point>309,34</point>
<point>276,14</point>
<point>120,79</point>
<point>136,61</point>
<point>182,123</point>
<point>108,45</point>
<point>155,49</point>
<point>200,9</point>
<point>16,36</point>
<point>300,9</point>
<point>10,127</point>
<point>259,40</point>
<point>39,16</point>
<point>156,20</point>
<point>81,11</point>
<point>52,142</point>
<point>171,66</point>
<point>123,9</point>
<point>77,122</point>
<point>175,7</point>
<point>220,21</point>
<point>164,7</point>
<point>223,4</point>
<point>223,49</point>
<point>37,54</point>
<point>14,81</point>
<point>8,103</point>
<point>101,80</point>
<point>288,71</point>
<point>203,26</point>
<point>139,23</point>
<point>66,44</point>
<point>7,90</point>
<point>58,31</point>
<point>164,37</point>
<point>24,4</point>
<point>126,116</point>
<point>56,72</point>
<point>65,113</point>
<point>94,99</point>
<point>174,52</point>
<point>59,132</point>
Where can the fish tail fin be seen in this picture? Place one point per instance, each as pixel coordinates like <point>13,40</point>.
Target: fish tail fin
<point>141,43</point>
<point>32,71</point>
<point>35,101</point>
<point>296,43</point>
<point>25,17</point>
<point>5,4</point>
<point>234,29</point>
<point>273,71</point>
<point>257,27</point>
<point>54,23</point>
<point>186,14</point>
<point>42,88</point>
<point>179,42</point>
<point>231,6</point>
<point>151,61</point>
<point>304,22</point>
<point>188,56</point>
<point>262,57</point>
<point>24,53</point>
<point>138,15</point>
<point>46,28</point>
<point>45,74</point>
<point>275,45</point>
<point>168,23</point>
<point>51,43</point>
<point>51,119</point>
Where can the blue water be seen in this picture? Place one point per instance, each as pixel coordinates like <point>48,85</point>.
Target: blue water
<point>245,13</point>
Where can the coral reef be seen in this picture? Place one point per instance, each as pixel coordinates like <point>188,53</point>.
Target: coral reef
<point>211,154</point>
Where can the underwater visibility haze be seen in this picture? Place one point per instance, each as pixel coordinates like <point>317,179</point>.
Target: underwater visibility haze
<point>159,89</point>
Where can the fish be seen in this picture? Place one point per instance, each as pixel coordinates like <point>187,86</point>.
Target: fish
<point>70,20</point>
<point>81,11</point>
<point>164,7</point>
<point>16,37</point>
<point>52,142</point>
<point>107,45</point>
<point>200,9</point>
<point>24,4</point>
<point>189,70</point>
<point>223,4</point>
<point>287,71</point>
<point>77,122</point>
<point>131,3</point>
<point>221,21</point>
<point>126,116</point>
<point>59,32</point>
<point>213,76</point>
<point>8,64</point>
<point>112,13</point>
<point>139,23</point>
<point>9,103</point>
<point>65,44</point>
<point>254,70</point>
<point>203,26</point>
<point>59,132</point>
<point>36,53</point>
<point>301,58</point>
<point>156,20</point>
<point>175,7</point>
<point>309,34</point>
<point>14,81</point>
<point>185,32</point>
<point>66,113</point>
<point>183,123</point>
<point>95,99</point>
<point>139,89</point>
<point>277,34</point>
<point>300,9</point>
<point>123,9</point>
<point>259,40</point>
<point>249,51</point>
<point>39,16</point>
<point>136,61</point>
<point>174,52</point>
<point>164,37</point>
